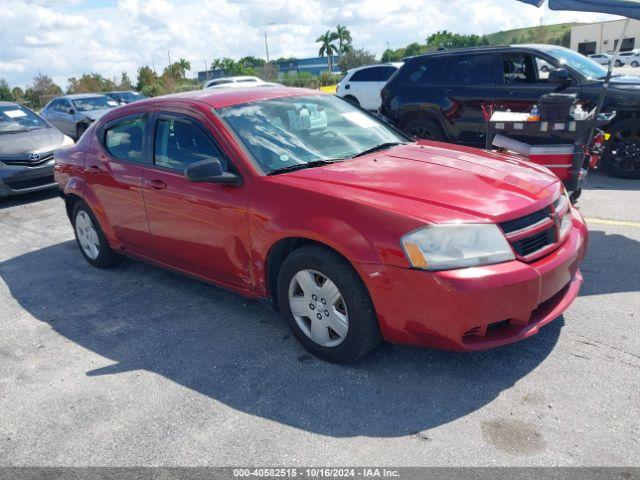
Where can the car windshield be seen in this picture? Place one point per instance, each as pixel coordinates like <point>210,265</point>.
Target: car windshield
<point>585,65</point>
<point>284,133</point>
<point>93,103</point>
<point>15,118</point>
<point>132,96</point>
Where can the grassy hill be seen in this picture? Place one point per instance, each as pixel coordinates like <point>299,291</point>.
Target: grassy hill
<point>558,34</point>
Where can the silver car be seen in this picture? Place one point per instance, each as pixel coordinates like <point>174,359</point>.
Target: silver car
<point>72,114</point>
<point>601,58</point>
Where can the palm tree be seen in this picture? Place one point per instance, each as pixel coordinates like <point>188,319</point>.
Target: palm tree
<point>184,66</point>
<point>327,47</point>
<point>344,39</point>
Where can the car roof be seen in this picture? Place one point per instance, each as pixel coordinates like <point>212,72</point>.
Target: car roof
<point>222,98</point>
<point>9,104</point>
<point>385,64</point>
<point>487,48</point>
<point>76,96</point>
<point>121,91</point>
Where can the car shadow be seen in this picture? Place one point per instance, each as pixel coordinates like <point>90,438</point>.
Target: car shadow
<point>612,264</point>
<point>241,353</point>
<point>27,198</point>
<point>602,180</point>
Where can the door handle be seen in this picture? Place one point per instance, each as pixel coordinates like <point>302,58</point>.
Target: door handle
<point>155,184</point>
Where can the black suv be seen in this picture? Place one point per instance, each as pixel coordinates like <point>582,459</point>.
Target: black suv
<point>441,95</point>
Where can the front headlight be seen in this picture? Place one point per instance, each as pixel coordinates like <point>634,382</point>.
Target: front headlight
<point>444,247</point>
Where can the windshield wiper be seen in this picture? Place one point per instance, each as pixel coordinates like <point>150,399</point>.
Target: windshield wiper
<point>382,146</point>
<point>301,166</point>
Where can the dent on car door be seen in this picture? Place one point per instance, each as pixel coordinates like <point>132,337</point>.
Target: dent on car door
<point>114,165</point>
<point>198,227</point>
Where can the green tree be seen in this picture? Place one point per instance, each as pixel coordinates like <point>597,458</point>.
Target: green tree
<point>355,58</point>
<point>148,82</point>
<point>18,94</point>
<point>414,49</point>
<point>447,39</point>
<point>5,91</point>
<point>125,82</point>
<point>344,39</point>
<point>185,66</point>
<point>327,47</point>
<point>42,90</point>
<point>90,82</point>
<point>392,55</point>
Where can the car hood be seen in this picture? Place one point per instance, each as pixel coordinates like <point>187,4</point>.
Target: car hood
<point>42,139</point>
<point>406,179</point>
<point>625,80</point>
<point>95,114</point>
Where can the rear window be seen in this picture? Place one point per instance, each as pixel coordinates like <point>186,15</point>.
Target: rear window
<point>470,70</point>
<point>124,140</point>
<point>373,74</point>
<point>425,71</point>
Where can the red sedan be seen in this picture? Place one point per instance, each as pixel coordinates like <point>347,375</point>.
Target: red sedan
<point>355,232</point>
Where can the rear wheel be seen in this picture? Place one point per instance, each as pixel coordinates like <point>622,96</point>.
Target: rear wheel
<point>352,100</point>
<point>635,64</point>
<point>91,240</point>
<point>326,304</point>
<point>621,155</point>
<point>424,128</point>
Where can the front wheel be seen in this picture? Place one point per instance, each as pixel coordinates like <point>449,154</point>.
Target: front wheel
<point>327,305</point>
<point>617,64</point>
<point>621,156</point>
<point>91,240</point>
<point>423,128</point>
<point>635,64</point>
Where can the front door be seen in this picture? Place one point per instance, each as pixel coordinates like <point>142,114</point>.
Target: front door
<point>114,166</point>
<point>524,79</point>
<point>201,228</point>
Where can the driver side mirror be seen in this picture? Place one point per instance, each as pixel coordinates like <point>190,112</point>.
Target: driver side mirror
<point>560,76</point>
<point>210,171</point>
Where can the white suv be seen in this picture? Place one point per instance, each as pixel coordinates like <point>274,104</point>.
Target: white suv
<point>362,86</point>
<point>630,58</point>
<point>234,82</point>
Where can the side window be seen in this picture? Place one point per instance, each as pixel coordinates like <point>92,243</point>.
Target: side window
<point>124,140</point>
<point>523,68</point>
<point>364,75</point>
<point>425,72</point>
<point>179,143</point>
<point>470,70</point>
<point>384,73</point>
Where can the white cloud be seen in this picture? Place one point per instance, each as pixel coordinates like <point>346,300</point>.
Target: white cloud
<point>66,38</point>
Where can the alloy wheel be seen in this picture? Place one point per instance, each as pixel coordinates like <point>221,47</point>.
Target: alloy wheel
<point>624,150</point>
<point>87,235</point>
<point>318,308</point>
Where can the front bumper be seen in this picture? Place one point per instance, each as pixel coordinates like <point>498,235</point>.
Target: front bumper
<point>481,307</point>
<point>17,179</point>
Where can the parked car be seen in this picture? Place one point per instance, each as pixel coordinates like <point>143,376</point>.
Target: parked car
<point>362,86</point>
<point>27,143</point>
<point>441,95</point>
<point>601,58</point>
<point>72,114</point>
<point>125,96</point>
<point>354,231</point>
<point>235,82</point>
<point>629,58</point>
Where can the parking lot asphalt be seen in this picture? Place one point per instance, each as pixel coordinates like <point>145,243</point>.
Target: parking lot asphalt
<point>139,366</point>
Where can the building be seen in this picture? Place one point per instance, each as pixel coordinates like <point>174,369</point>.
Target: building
<point>602,37</point>
<point>314,66</point>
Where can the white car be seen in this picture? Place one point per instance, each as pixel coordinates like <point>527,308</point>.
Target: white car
<point>362,86</point>
<point>630,58</point>
<point>601,58</point>
<point>234,82</point>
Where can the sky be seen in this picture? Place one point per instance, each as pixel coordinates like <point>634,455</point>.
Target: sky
<point>65,38</point>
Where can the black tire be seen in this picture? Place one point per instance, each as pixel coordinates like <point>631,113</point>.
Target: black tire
<point>363,330</point>
<point>424,128</point>
<point>618,63</point>
<point>635,64</point>
<point>621,156</point>
<point>107,257</point>
<point>352,100</point>
<point>80,129</point>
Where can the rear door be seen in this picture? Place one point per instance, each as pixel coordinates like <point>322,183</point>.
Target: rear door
<point>198,227</point>
<point>467,83</point>
<point>114,165</point>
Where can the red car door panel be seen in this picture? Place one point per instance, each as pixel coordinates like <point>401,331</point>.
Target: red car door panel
<point>115,176</point>
<point>198,227</point>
